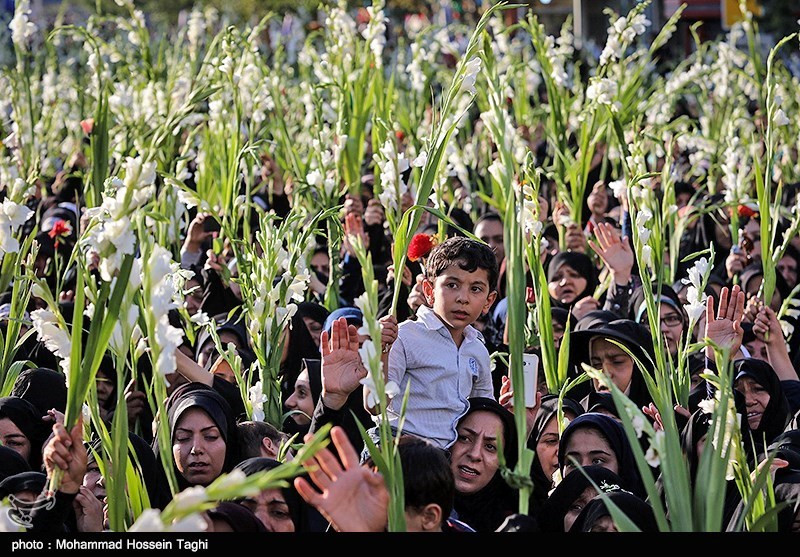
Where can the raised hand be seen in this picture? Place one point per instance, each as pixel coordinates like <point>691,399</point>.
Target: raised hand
<point>342,368</point>
<point>65,451</point>
<point>196,234</point>
<point>89,515</point>
<point>766,326</point>
<point>353,227</point>
<point>724,326</point>
<point>352,497</point>
<point>615,252</point>
<point>506,399</point>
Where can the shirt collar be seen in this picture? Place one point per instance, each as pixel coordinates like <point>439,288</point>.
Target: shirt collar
<point>427,317</point>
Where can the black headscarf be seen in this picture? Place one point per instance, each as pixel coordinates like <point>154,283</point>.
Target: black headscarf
<point>28,419</point>
<point>551,516</point>
<point>239,518</point>
<point>305,517</point>
<point>44,388</point>
<point>23,481</point>
<point>548,410</point>
<point>314,368</point>
<point>582,264</point>
<point>777,414</point>
<point>691,436</point>
<point>640,512</point>
<point>198,395</point>
<point>11,463</point>
<point>614,433</point>
<point>787,447</point>
<point>634,337</point>
<point>594,319</point>
<point>300,345</point>
<point>486,509</point>
<point>562,315</point>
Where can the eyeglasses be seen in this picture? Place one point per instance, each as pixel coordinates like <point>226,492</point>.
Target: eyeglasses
<point>671,320</point>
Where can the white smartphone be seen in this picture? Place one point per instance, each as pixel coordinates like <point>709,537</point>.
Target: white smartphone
<point>530,377</point>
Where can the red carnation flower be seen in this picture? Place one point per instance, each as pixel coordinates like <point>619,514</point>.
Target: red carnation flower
<point>61,229</point>
<point>400,135</point>
<point>420,246</point>
<point>746,211</point>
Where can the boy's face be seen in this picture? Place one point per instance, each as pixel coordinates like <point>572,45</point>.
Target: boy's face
<point>459,297</point>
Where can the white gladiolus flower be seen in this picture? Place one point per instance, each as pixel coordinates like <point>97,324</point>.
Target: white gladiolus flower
<point>192,523</point>
<point>190,498</point>
<point>22,29</point>
<point>148,521</point>
<point>780,118</point>
<point>602,91</point>
<point>48,331</point>
<point>420,161</point>
<point>697,304</point>
<point>471,74</point>
<point>367,352</point>
<point>201,318</point>
<point>257,400</point>
<point>15,213</point>
<point>652,454</point>
<point>233,480</point>
<point>697,272</point>
<point>314,178</point>
<point>644,234</point>
<point>619,187</point>
<point>647,256</point>
<point>638,425</point>
<point>707,405</point>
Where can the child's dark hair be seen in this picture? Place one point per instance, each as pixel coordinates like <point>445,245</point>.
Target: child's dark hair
<point>469,254</point>
<point>427,475</point>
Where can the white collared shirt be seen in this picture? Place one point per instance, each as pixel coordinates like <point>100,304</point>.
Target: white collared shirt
<point>442,376</point>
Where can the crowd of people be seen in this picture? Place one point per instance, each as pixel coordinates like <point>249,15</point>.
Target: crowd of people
<point>444,345</point>
<point>458,415</point>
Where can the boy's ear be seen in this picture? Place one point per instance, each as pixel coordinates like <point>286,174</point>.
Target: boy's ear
<point>490,301</point>
<point>427,289</point>
<point>431,518</point>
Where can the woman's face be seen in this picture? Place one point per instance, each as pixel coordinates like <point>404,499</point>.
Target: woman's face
<point>588,446</point>
<point>271,508</point>
<point>301,400</point>
<point>756,399</point>
<point>567,284</point>
<point>577,506</point>
<point>13,438</point>
<point>671,321</point>
<point>194,298</point>
<point>613,360</point>
<point>105,389</point>
<point>209,350</point>
<point>94,481</point>
<point>198,447</point>
<point>547,447</point>
<point>473,457</point>
<point>558,333</point>
<point>314,327</point>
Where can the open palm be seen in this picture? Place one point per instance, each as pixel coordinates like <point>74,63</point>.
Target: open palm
<point>342,368</point>
<point>615,252</point>
<point>725,329</point>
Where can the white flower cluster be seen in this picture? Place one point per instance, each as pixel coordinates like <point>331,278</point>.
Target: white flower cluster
<point>322,175</point>
<point>392,165</point>
<point>165,284</point>
<point>621,34</point>
<point>50,330</point>
<point>603,91</point>
<point>110,234</point>
<point>695,296</point>
<point>12,217</point>
<point>22,28</point>
<point>375,32</point>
